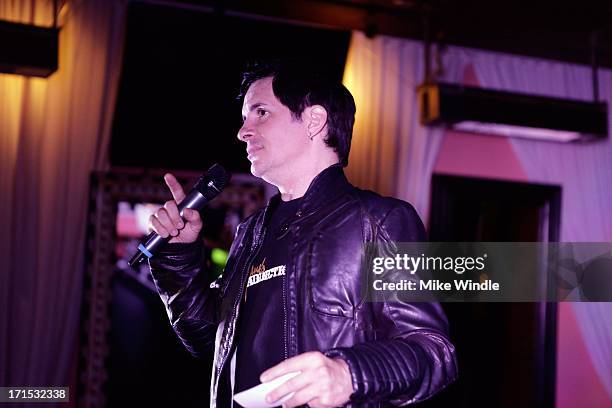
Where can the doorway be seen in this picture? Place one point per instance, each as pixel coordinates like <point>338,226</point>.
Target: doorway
<point>506,351</point>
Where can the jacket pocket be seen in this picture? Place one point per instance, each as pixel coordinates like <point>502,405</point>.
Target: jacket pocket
<point>332,277</point>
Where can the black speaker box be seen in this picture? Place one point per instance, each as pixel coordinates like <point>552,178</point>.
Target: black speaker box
<point>28,50</point>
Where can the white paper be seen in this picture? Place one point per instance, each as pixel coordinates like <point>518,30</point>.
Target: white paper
<point>256,397</point>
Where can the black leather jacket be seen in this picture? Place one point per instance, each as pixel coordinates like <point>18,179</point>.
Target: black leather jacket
<point>397,352</point>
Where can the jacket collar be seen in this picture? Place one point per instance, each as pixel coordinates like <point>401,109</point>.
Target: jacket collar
<point>328,184</point>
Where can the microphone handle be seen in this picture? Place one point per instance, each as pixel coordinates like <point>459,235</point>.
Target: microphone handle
<point>153,242</point>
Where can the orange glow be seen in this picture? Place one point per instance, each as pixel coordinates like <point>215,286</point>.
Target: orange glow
<point>372,133</point>
<point>21,12</point>
<point>11,97</point>
<point>351,78</point>
<point>16,91</point>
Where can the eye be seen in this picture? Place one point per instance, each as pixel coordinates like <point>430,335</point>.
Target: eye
<point>261,112</point>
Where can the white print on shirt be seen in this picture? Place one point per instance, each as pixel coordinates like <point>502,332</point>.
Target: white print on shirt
<point>260,274</point>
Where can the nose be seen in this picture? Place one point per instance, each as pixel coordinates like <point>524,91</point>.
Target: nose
<point>245,132</point>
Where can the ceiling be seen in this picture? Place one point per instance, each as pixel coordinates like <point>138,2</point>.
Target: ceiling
<point>547,29</point>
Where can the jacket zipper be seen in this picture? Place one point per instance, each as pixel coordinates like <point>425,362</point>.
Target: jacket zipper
<point>286,338</point>
<point>255,248</point>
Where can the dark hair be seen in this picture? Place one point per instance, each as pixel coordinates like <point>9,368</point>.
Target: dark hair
<point>299,85</point>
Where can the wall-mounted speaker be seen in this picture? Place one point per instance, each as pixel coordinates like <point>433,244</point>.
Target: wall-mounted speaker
<point>28,50</point>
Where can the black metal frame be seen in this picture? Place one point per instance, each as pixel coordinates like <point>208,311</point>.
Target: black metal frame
<point>107,190</point>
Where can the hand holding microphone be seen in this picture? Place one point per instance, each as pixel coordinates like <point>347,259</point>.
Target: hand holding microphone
<point>179,221</point>
<point>167,221</point>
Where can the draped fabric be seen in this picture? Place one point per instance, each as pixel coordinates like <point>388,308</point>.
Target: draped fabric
<point>53,133</point>
<point>583,171</point>
<point>391,152</point>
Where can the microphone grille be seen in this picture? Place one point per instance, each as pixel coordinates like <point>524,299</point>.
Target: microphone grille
<point>217,176</point>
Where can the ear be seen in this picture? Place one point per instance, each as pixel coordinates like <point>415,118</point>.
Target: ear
<point>316,119</point>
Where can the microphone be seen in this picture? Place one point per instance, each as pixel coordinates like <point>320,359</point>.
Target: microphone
<point>205,189</point>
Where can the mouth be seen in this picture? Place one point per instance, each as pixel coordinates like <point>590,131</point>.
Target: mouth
<point>252,151</point>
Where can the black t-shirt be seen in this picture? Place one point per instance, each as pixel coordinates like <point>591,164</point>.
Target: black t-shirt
<point>262,337</point>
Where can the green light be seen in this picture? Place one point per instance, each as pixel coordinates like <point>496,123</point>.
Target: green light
<point>218,256</point>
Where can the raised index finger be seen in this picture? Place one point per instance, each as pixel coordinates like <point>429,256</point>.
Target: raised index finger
<point>175,188</point>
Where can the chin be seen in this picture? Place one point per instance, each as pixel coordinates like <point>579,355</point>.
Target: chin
<point>267,174</point>
<point>257,170</point>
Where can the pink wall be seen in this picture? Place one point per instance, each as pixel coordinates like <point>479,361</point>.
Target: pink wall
<point>577,383</point>
<point>478,156</point>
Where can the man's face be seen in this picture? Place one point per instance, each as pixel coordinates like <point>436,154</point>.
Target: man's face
<point>275,141</point>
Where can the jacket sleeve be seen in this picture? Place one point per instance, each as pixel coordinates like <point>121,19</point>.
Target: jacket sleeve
<point>186,292</point>
<point>414,358</point>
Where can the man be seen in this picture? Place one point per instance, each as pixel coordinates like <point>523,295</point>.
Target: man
<point>290,298</point>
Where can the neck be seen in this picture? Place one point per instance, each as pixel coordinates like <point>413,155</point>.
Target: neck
<point>297,182</point>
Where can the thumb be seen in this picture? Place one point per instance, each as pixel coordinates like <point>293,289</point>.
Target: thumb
<point>193,217</point>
